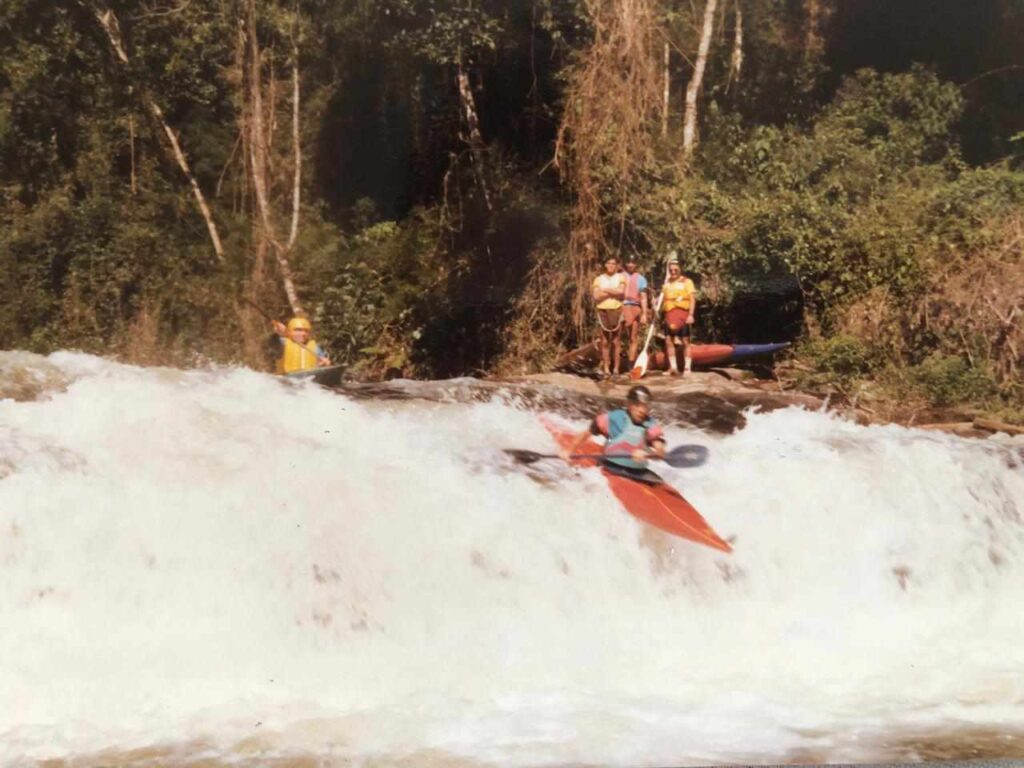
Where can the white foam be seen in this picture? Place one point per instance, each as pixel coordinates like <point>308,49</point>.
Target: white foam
<point>185,555</point>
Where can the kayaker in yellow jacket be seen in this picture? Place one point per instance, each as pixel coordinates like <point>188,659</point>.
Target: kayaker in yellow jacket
<point>678,307</point>
<point>299,352</point>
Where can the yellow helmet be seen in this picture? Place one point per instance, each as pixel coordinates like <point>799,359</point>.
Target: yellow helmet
<point>299,322</point>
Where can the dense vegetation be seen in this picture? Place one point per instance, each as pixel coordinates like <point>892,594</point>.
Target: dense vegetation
<point>854,182</point>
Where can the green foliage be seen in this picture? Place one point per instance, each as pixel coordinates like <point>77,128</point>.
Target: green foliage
<point>945,380</point>
<point>904,118</point>
<point>839,360</point>
<point>445,32</point>
<point>806,207</point>
<point>377,282</point>
<point>858,200</point>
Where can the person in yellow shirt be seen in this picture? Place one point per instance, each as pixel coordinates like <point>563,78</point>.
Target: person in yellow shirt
<point>299,352</point>
<point>678,307</point>
<point>608,291</point>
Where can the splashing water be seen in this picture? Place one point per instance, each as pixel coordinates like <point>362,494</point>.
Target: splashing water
<point>223,558</point>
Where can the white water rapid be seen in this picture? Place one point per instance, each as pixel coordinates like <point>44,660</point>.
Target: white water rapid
<point>220,563</point>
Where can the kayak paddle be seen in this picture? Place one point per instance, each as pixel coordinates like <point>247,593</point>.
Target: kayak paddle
<point>683,456</point>
<point>640,366</point>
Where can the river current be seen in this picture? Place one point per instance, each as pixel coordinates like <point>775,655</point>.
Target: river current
<point>219,565</point>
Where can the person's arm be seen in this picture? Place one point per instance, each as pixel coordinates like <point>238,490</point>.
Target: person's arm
<point>321,357</point>
<point>596,292</point>
<point>574,446</point>
<point>693,304</point>
<point>594,429</point>
<point>620,289</point>
<point>279,328</point>
<point>643,303</point>
<point>655,439</point>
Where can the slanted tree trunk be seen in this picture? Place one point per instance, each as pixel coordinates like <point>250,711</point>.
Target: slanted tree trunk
<point>108,21</point>
<point>693,89</point>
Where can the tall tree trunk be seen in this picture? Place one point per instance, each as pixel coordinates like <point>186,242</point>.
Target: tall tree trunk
<point>736,60</point>
<point>814,42</point>
<point>131,142</point>
<point>112,27</point>
<point>693,89</point>
<point>296,149</point>
<point>473,136</point>
<point>469,113</point>
<point>257,142</point>
<point>666,95</point>
<point>260,164</point>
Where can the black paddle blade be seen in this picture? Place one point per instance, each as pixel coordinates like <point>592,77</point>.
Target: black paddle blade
<point>527,457</point>
<point>687,456</point>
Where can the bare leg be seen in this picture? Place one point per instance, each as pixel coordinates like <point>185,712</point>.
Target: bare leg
<point>617,350</point>
<point>604,352</point>
<point>634,333</point>
<point>670,353</point>
<point>687,361</point>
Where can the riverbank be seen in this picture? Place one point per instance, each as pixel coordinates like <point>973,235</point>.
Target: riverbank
<point>716,400</point>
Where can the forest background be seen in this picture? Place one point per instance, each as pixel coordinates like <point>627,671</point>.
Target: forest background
<point>423,179</point>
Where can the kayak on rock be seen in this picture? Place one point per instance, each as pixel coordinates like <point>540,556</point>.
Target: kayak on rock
<point>588,356</point>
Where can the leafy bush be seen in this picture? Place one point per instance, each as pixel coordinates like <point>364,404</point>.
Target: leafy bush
<point>839,360</point>
<point>945,380</point>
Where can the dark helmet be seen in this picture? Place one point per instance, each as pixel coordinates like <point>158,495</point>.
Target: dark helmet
<point>638,394</point>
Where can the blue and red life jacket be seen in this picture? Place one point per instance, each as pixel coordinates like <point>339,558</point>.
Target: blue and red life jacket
<point>624,435</point>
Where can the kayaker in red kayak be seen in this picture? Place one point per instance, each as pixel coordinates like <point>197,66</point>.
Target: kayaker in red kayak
<point>631,435</point>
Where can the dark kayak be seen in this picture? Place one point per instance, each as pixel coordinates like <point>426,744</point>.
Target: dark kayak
<point>329,376</point>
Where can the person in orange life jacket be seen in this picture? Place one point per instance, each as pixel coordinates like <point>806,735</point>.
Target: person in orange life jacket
<point>631,435</point>
<point>298,350</point>
<point>608,291</point>
<point>634,306</point>
<point>678,307</point>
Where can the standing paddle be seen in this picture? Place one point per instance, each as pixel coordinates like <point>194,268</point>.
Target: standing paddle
<point>683,456</point>
<point>640,366</point>
<point>259,309</point>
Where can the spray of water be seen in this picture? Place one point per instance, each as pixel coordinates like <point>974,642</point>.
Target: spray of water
<point>223,556</point>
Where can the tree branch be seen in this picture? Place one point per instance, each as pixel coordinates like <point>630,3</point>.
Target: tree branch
<point>108,21</point>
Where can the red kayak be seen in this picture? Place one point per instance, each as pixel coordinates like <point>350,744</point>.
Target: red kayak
<point>703,355</point>
<point>716,354</point>
<point>652,500</point>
